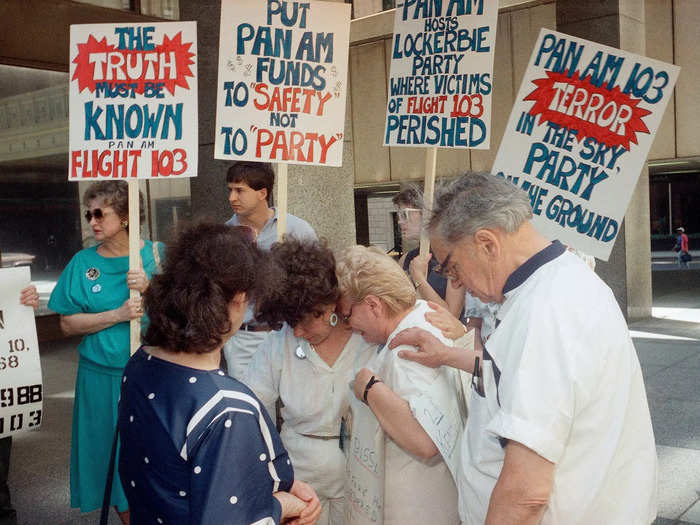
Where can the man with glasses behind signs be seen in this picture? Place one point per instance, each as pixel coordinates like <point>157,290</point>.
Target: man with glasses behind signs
<point>559,429</point>
<point>430,285</point>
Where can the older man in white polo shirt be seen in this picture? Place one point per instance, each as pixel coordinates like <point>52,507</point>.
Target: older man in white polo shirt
<point>559,430</point>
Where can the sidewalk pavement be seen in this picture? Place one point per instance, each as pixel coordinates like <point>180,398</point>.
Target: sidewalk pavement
<point>668,346</point>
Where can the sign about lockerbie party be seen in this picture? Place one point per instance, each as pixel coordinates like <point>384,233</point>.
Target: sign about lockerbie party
<point>21,390</point>
<point>579,134</point>
<point>282,81</point>
<point>133,101</point>
<point>441,77</point>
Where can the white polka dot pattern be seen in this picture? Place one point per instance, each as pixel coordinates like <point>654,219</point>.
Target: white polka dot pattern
<point>233,500</point>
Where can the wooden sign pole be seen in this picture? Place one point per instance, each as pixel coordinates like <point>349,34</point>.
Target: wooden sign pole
<point>281,200</point>
<point>428,191</point>
<point>134,257</point>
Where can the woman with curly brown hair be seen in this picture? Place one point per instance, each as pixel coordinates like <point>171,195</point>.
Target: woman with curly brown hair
<point>307,366</point>
<point>197,446</point>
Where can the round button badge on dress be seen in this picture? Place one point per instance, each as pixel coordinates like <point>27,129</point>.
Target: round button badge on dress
<point>299,352</point>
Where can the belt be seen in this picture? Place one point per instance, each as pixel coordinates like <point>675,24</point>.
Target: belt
<point>248,327</point>
<point>320,437</point>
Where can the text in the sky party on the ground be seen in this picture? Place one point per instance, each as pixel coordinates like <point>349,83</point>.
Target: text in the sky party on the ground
<point>579,133</point>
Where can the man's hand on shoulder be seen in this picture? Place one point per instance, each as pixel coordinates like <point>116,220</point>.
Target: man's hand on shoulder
<point>429,352</point>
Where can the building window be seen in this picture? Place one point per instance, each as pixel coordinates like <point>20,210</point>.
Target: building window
<point>674,200</point>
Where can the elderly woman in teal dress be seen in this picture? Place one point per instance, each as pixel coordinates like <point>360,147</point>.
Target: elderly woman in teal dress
<point>92,297</point>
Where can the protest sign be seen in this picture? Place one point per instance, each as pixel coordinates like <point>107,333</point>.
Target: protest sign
<point>364,489</point>
<point>441,74</point>
<point>20,369</point>
<point>133,110</point>
<point>579,133</point>
<point>438,413</point>
<point>133,101</point>
<point>282,81</point>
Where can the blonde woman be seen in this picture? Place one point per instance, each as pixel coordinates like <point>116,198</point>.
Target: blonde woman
<point>379,301</point>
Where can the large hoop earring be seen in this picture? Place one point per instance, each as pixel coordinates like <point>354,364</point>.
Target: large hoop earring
<point>333,319</point>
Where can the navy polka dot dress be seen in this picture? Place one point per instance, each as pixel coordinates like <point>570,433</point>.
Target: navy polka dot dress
<point>197,447</point>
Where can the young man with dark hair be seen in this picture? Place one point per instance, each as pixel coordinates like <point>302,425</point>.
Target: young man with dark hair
<point>250,193</point>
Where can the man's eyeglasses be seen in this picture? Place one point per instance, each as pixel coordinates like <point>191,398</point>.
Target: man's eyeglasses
<point>97,213</point>
<point>446,269</point>
<point>404,213</point>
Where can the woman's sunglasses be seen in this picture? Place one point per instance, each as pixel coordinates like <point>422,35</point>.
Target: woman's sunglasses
<point>97,213</point>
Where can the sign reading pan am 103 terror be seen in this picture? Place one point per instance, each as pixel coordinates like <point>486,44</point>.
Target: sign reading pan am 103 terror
<point>579,133</point>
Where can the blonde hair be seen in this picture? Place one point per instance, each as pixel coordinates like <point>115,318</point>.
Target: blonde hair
<point>364,271</point>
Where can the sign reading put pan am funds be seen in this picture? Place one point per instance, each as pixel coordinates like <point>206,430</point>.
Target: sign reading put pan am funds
<point>282,81</point>
<point>133,101</point>
<point>20,369</point>
<point>579,133</point>
<point>441,74</point>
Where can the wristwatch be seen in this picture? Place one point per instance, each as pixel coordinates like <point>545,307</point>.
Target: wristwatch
<point>370,384</point>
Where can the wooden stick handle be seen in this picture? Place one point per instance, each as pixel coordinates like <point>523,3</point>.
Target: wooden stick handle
<point>428,191</point>
<point>134,257</point>
<point>281,200</point>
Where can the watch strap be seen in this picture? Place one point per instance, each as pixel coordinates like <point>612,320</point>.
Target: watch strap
<point>372,381</point>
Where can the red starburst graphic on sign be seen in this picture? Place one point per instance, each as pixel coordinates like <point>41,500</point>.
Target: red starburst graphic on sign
<point>98,62</point>
<point>608,115</point>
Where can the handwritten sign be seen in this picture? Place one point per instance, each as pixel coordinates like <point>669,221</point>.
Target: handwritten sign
<point>580,131</point>
<point>441,74</point>
<point>364,489</point>
<point>439,414</point>
<point>133,101</point>
<point>282,81</point>
<point>20,371</point>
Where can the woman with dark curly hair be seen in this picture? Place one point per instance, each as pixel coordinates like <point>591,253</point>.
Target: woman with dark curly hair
<point>307,366</point>
<point>197,446</point>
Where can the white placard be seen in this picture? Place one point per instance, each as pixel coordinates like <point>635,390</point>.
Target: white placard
<point>579,133</point>
<point>438,412</point>
<point>441,77</point>
<point>282,81</point>
<point>20,369</point>
<point>133,101</point>
<point>364,486</point>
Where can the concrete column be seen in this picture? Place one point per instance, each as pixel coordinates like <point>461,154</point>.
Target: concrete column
<point>619,23</point>
<point>322,196</point>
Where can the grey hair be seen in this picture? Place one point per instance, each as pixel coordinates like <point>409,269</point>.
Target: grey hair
<point>476,201</point>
